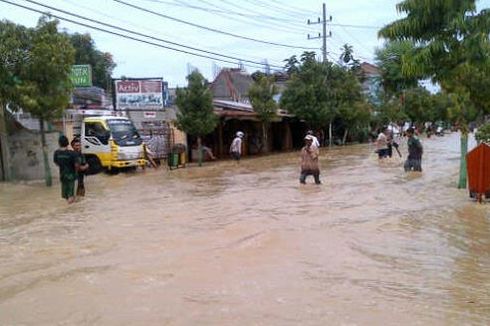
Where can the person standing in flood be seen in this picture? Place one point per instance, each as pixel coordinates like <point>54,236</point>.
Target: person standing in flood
<point>236,146</point>
<point>69,163</point>
<point>415,151</point>
<point>309,161</point>
<point>315,142</point>
<point>382,144</point>
<point>77,148</point>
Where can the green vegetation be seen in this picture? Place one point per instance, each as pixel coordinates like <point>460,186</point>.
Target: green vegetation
<point>195,103</point>
<point>483,134</point>
<point>101,62</point>
<point>261,96</point>
<point>451,48</point>
<point>34,74</point>
<point>320,92</point>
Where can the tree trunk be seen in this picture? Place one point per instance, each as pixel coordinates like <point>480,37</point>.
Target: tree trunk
<point>462,164</point>
<point>344,139</point>
<point>199,150</point>
<point>330,134</point>
<point>4,147</point>
<point>47,171</point>
<point>264,137</point>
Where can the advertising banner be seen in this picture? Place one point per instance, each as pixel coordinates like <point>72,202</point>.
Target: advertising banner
<point>139,94</point>
<point>81,75</point>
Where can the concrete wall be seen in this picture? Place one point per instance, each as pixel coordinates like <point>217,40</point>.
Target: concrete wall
<point>26,157</point>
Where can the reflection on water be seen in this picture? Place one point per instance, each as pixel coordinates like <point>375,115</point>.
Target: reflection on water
<point>246,244</point>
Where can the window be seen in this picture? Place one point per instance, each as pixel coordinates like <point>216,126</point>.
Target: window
<point>96,129</point>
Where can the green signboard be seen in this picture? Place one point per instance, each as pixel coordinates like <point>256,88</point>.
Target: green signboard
<point>81,75</point>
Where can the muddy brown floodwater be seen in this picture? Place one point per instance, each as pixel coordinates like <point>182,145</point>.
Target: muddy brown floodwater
<point>247,245</point>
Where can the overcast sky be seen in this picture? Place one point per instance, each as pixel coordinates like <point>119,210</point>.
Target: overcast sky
<point>273,21</point>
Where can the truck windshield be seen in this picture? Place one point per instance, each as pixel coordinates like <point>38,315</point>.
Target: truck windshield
<point>123,132</point>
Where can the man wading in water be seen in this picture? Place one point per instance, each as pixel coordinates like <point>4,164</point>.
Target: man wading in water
<point>415,151</point>
<point>309,161</point>
<point>75,144</point>
<point>69,163</point>
<point>236,147</point>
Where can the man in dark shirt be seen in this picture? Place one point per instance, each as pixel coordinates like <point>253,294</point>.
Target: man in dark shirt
<point>69,163</point>
<point>415,151</point>
<point>75,144</point>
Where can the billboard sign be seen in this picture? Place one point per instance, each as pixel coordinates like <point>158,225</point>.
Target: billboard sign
<point>139,94</point>
<point>81,75</point>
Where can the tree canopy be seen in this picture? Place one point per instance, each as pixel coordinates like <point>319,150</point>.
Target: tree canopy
<point>195,103</point>
<point>452,47</point>
<point>36,64</point>
<point>261,96</point>
<point>87,53</point>
<point>389,60</point>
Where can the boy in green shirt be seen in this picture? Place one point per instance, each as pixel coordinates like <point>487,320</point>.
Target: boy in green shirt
<point>69,164</point>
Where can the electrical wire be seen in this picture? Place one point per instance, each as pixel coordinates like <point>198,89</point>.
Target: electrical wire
<point>221,11</point>
<point>246,19</point>
<point>126,36</point>
<point>79,6</point>
<point>294,9</point>
<point>282,24</point>
<point>145,35</point>
<point>211,29</point>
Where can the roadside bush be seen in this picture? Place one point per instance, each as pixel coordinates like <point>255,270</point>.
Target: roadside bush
<point>483,134</point>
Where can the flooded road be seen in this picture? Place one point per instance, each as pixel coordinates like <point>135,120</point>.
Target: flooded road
<point>247,245</point>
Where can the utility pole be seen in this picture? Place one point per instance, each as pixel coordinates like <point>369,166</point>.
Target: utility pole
<point>323,35</point>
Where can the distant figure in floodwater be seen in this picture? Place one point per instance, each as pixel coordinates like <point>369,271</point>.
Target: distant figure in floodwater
<point>382,144</point>
<point>77,148</point>
<point>309,161</point>
<point>236,146</point>
<point>69,163</point>
<point>315,141</point>
<point>415,151</point>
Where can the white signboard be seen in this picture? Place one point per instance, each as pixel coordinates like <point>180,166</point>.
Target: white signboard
<point>139,94</point>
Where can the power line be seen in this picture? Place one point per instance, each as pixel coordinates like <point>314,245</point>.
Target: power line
<point>210,29</point>
<point>283,24</point>
<point>124,36</point>
<point>144,35</point>
<point>295,9</point>
<point>221,10</point>
<point>357,26</point>
<point>73,3</point>
<point>288,12</point>
<point>231,15</point>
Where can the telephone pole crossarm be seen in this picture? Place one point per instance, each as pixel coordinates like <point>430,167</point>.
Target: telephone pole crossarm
<point>324,34</point>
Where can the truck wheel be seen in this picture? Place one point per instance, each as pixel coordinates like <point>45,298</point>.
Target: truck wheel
<point>94,165</point>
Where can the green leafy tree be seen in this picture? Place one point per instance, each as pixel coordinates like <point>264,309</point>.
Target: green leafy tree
<point>388,110</point>
<point>417,104</point>
<point>87,53</point>
<point>14,51</point>
<point>41,83</point>
<point>452,41</point>
<point>196,116</point>
<point>348,61</point>
<point>483,134</point>
<point>355,116</point>
<point>389,60</point>
<point>317,92</point>
<point>261,96</point>
<point>292,65</point>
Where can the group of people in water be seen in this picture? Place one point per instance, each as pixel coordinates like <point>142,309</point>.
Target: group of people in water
<point>385,143</point>
<point>73,165</point>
